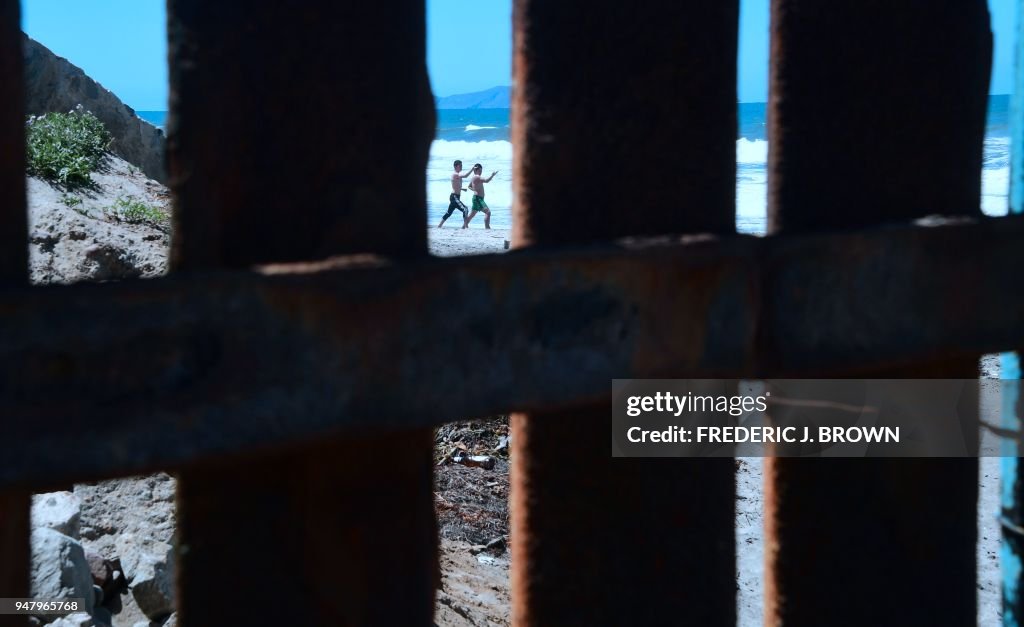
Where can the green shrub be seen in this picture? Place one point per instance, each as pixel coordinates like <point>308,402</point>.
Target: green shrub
<point>134,211</point>
<point>75,203</point>
<point>66,147</point>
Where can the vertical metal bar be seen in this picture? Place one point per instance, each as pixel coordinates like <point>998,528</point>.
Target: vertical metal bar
<point>298,132</point>
<point>877,109</point>
<point>13,215</point>
<point>1012,493</point>
<point>877,113</point>
<point>314,120</point>
<point>14,547</point>
<point>624,123</point>
<point>14,506</point>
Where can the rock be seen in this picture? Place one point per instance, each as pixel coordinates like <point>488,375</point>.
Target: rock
<point>78,619</point>
<point>85,240</point>
<point>107,574</point>
<point>102,617</point>
<point>149,569</point>
<point>99,568</point>
<point>124,518</point>
<point>53,84</point>
<point>106,262</point>
<point>172,621</point>
<point>60,511</point>
<point>59,569</point>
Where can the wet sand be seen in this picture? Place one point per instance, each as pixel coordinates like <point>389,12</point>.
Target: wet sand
<point>454,241</point>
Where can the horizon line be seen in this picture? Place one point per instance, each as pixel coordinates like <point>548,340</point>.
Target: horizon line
<point>473,92</point>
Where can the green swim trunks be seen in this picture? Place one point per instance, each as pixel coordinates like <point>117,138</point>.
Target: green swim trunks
<point>479,204</point>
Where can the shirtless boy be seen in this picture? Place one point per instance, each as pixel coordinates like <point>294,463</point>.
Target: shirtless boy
<point>454,201</point>
<point>476,183</point>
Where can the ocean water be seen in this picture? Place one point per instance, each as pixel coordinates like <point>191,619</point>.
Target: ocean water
<point>482,136</point>
<point>156,118</point>
<point>474,136</point>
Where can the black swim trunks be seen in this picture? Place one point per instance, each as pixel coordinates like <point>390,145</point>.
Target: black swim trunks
<point>453,204</point>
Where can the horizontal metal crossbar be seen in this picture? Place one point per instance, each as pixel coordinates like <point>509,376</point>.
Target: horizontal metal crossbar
<point>113,379</point>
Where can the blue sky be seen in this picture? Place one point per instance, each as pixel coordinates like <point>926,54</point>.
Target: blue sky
<point>121,43</point>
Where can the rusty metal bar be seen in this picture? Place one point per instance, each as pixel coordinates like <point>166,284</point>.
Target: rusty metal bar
<point>297,132</point>
<point>877,114</point>
<point>14,504</point>
<point>69,355</point>
<point>624,117</point>
<point>897,144</point>
<point>14,547</point>
<point>13,215</point>
<point>335,344</point>
<point>316,155</point>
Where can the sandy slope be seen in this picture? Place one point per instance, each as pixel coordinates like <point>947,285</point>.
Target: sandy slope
<point>79,234</point>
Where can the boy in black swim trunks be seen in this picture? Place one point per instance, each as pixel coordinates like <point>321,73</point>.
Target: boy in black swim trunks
<point>454,201</point>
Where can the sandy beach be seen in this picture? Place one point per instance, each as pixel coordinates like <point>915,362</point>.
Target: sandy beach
<point>454,241</point>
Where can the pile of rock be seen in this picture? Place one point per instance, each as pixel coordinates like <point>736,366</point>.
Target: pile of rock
<point>109,544</point>
<point>53,83</point>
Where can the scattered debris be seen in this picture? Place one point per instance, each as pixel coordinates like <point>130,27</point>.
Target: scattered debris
<point>473,521</point>
<point>486,437</point>
<point>475,461</point>
<point>496,546</point>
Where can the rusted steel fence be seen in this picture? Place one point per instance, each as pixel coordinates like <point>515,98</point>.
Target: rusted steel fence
<point>270,378</point>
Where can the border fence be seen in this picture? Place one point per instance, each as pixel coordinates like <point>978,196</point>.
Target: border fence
<point>290,366</point>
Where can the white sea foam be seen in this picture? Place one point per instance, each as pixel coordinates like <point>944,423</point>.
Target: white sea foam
<point>493,155</point>
<point>471,152</point>
<point>751,179</point>
<point>997,141</point>
<point>474,127</point>
<point>751,151</point>
<point>995,187</point>
<point>751,185</point>
<point>995,176</point>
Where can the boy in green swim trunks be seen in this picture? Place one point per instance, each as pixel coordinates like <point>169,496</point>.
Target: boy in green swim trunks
<point>476,183</point>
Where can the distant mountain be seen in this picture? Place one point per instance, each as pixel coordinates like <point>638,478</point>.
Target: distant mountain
<point>493,98</point>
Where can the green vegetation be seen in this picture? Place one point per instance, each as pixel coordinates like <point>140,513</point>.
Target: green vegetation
<point>66,148</point>
<point>75,203</point>
<point>133,211</point>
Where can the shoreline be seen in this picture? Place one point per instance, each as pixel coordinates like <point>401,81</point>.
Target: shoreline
<point>454,241</point>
